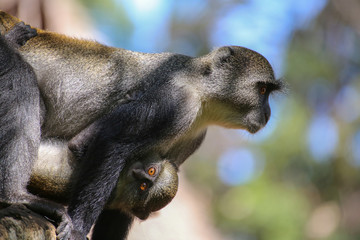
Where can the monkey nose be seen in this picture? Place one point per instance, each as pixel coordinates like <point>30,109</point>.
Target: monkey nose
<point>138,173</point>
<point>141,214</point>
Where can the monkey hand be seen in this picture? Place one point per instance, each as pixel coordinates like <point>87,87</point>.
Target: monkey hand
<point>54,211</point>
<point>20,34</point>
<point>64,231</point>
<point>76,235</point>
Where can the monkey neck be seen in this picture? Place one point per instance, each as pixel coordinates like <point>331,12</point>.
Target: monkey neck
<point>214,112</point>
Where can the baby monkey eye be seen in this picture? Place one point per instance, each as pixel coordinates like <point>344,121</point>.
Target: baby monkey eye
<point>151,171</point>
<point>263,90</point>
<point>143,186</point>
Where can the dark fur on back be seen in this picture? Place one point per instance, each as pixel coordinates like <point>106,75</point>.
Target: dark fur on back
<point>19,121</point>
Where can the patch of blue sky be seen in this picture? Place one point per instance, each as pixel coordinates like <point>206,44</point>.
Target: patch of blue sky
<point>265,26</point>
<point>150,19</point>
<point>347,104</point>
<point>190,10</point>
<point>355,149</point>
<point>108,32</point>
<point>322,137</point>
<point>239,166</point>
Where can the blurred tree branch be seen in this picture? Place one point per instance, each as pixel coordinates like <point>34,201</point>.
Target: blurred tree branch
<point>63,16</point>
<point>349,12</point>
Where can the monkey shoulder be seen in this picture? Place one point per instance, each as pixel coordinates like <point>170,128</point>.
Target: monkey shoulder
<point>187,132</point>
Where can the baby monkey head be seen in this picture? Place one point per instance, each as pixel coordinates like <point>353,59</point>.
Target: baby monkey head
<point>145,186</point>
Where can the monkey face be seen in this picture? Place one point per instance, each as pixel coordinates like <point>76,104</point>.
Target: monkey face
<point>249,111</point>
<point>145,187</point>
<point>242,83</point>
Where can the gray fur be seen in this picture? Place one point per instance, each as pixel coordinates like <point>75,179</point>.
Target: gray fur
<point>93,81</point>
<point>19,122</point>
<point>20,127</point>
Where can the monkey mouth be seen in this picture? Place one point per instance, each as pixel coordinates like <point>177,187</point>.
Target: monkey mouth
<point>254,127</point>
<point>140,213</point>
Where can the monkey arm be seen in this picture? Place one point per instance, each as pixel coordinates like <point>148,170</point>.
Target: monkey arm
<point>111,223</point>
<point>97,178</point>
<point>127,132</point>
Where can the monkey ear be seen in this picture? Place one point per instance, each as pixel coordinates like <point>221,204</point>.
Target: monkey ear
<point>223,55</point>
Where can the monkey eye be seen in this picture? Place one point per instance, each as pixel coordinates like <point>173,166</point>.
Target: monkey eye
<point>263,90</point>
<point>143,186</point>
<point>151,171</point>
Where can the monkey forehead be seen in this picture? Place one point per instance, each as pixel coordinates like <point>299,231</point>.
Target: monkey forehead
<point>242,66</point>
<point>258,65</point>
<point>144,162</point>
<point>251,55</point>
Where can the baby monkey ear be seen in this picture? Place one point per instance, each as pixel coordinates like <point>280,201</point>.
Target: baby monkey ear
<point>223,55</point>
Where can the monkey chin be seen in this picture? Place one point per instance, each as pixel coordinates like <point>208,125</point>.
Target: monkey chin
<point>142,215</point>
<point>254,128</point>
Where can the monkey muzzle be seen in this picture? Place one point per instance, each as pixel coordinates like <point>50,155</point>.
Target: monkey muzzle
<point>140,213</point>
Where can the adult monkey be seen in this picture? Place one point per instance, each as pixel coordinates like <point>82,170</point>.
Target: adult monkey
<point>114,105</point>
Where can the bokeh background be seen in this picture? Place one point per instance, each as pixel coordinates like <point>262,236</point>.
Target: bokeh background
<point>296,179</point>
